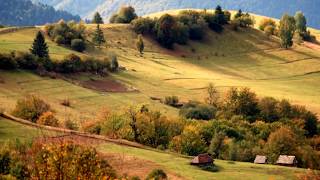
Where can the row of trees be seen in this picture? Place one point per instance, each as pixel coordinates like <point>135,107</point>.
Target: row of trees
<point>38,59</point>
<point>188,24</point>
<point>244,104</point>
<point>290,27</point>
<point>233,139</point>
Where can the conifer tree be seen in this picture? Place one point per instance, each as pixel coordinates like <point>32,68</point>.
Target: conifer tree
<point>39,47</point>
<point>97,19</point>
<point>140,44</point>
<point>98,36</point>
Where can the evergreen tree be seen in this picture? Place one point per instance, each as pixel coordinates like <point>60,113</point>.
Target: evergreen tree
<point>301,22</point>
<point>238,14</point>
<point>140,44</point>
<point>98,36</point>
<point>39,47</point>
<point>219,14</point>
<point>286,30</point>
<point>97,19</point>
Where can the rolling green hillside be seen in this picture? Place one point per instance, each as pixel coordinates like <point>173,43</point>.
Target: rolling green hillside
<point>246,58</point>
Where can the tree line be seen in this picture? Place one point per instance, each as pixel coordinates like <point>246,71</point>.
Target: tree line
<point>25,13</point>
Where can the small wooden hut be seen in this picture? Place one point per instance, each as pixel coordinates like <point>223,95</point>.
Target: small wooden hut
<point>260,159</point>
<point>202,160</point>
<point>285,160</point>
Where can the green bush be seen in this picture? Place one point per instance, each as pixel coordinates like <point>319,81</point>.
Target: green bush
<point>70,64</point>
<point>143,25</point>
<point>78,45</point>
<point>31,108</point>
<point>27,60</point>
<point>266,22</point>
<point>5,160</point>
<point>59,40</point>
<point>125,15</point>
<point>165,30</point>
<point>171,100</point>
<point>64,33</point>
<point>7,62</point>
<point>195,110</point>
<point>157,174</point>
<point>69,124</point>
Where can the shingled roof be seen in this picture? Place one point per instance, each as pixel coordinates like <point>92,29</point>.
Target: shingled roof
<point>287,160</point>
<point>202,159</point>
<point>260,159</point>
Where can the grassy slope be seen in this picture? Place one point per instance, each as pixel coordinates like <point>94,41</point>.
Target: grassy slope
<point>171,162</point>
<point>11,131</point>
<point>242,59</point>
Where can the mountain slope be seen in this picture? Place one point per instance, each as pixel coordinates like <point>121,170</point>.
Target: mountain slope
<point>272,8</point>
<point>25,13</point>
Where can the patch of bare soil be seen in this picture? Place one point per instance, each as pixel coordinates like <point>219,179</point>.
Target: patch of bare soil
<point>312,45</point>
<point>132,166</point>
<point>70,138</point>
<point>2,80</point>
<point>106,85</point>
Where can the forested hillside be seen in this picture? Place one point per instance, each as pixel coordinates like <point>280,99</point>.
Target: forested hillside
<point>25,13</point>
<point>271,8</point>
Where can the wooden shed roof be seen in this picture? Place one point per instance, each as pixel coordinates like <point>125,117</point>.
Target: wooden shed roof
<point>202,159</point>
<point>284,159</point>
<point>260,159</point>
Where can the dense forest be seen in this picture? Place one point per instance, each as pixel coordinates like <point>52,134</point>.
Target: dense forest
<point>25,13</point>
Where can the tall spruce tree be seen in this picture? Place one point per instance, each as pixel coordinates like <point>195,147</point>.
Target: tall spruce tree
<point>97,19</point>
<point>140,44</point>
<point>98,36</point>
<point>39,47</point>
<point>286,30</point>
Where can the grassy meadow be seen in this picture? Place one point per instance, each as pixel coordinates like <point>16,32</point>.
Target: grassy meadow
<point>246,58</point>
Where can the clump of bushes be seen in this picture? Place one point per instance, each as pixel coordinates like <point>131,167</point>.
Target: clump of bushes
<point>125,15</point>
<point>70,64</point>
<point>93,127</point>
<point>70,34</point>
<point>70,124</point>
<point>31,108</point>
<point>241,19</point>
<point>188,24</point>
<point>196,110</point>
<point>268,26</point>
<point>157,174</point>
<point>78,45</point>
<point>40,161</point>
<point>48,119</point>
<point>172,101</point>
<point>143,25</point>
